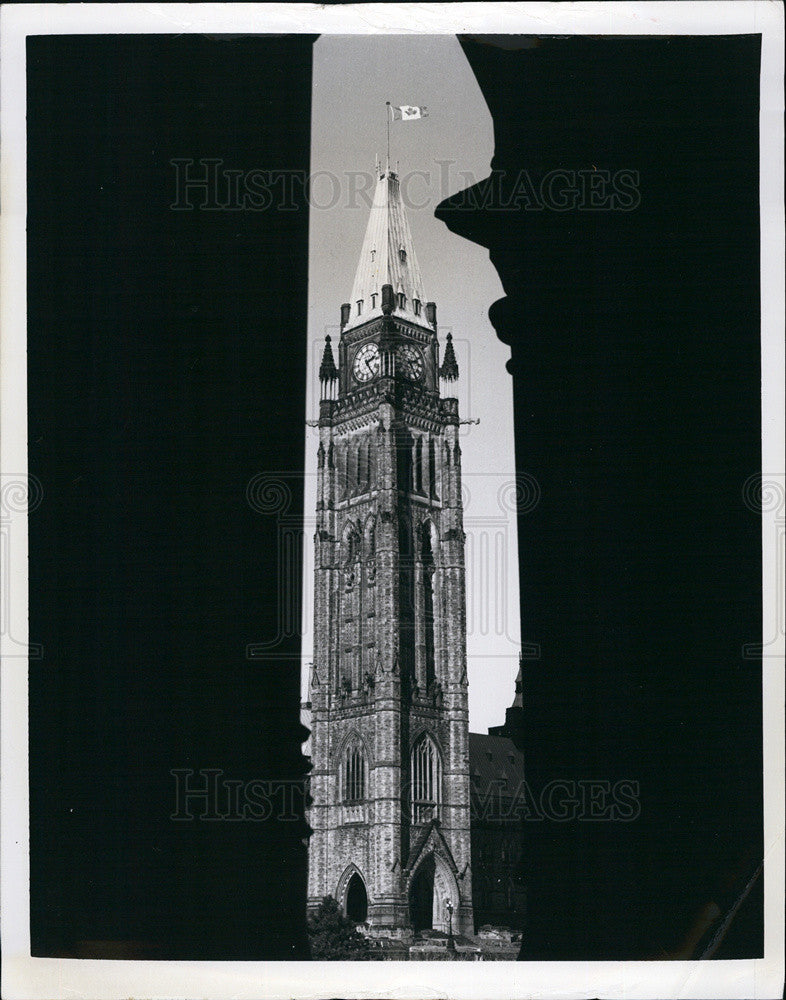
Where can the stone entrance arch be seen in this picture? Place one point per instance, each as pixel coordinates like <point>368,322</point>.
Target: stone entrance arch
<point>357,900</point>
<point>431,887</point>
<point>352,895</point>
<point>421,896</point>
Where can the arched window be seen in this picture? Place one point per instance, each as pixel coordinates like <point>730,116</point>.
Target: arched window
<point>354,778</point>
<point>426,779</point>
<point>402,300</point>
<point>360,306</point>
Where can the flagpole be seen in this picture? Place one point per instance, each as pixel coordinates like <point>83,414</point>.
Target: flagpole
<point>387,120</point>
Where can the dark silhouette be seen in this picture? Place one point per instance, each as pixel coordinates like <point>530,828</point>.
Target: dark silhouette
<point>159,342</point>
<point>632,312</point>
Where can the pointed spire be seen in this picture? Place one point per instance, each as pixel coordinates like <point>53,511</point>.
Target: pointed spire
<point>388,258</point>
<point>328,373</point>
<point>449,370</point>
<point>327,370</point>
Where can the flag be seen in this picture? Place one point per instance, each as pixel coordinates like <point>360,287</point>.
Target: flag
<point>408,113</point>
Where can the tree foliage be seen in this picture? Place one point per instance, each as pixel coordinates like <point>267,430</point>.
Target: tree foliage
<point>334,936</point>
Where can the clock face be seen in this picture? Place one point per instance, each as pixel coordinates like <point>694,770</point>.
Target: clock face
<point>366,363</point>
<point>409,362</point>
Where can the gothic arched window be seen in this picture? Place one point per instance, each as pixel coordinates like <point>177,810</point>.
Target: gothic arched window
<point>354,773</point>
<point>426,778</point>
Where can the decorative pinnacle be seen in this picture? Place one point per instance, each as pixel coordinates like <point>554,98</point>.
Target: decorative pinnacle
<point>449,370</point>
<point>327,370</point>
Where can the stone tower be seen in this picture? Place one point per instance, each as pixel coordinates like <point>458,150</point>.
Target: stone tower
<point>388,690</point>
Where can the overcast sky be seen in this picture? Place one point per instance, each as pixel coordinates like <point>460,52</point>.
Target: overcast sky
<point>353,78</point>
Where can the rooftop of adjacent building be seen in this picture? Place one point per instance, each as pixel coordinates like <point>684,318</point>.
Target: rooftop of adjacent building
<point>496,761</point>
<point>494,758</point>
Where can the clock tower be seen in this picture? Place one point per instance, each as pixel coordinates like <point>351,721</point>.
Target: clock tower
<point>388,690</point>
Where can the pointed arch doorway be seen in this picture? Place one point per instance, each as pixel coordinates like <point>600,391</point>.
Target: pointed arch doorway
<point>357,900</point>
<point>421,897</point>
<point>434,895</point>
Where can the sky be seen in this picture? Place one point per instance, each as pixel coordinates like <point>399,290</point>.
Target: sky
<point>353,78</point>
